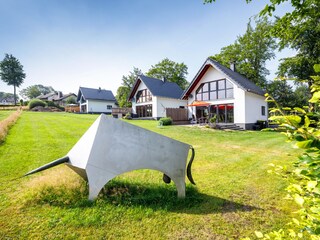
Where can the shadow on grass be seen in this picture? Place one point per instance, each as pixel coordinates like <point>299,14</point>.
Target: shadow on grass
<point>147,195</point>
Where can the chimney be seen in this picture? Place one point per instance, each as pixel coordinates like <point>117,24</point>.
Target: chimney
<point>164,79</point>
<point>99,89</point>
<point>233,66</point>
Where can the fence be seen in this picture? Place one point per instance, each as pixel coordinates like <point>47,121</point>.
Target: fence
<point>177,114</point>
<point>72,109</point>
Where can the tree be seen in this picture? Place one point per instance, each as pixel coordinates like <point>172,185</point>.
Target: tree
<point>122,96</point>
<point>11,72</point>
<point>128,81</point>
<point>298,29</point>
<point>172,71</point>
<point>71,100</point>
<point>35,91</point>
<point>282,92</point>
<point>302,95</point>
<point>127,84</point>
<point>250,52</point>
<point>5,95</point>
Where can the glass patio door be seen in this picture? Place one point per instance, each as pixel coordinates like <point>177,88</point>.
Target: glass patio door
<point>224,113</point>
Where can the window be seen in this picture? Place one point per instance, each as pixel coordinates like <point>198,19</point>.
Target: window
<point>109,107</point>
<point>219,89</point>
<point>263,110</point>
<point>143,96</point>
<point>144,111</point>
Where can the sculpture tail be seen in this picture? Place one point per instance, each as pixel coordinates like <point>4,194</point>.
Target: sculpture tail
<point>189,174</point>
<point>49,165</point>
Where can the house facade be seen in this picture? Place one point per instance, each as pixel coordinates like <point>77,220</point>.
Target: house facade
<point>150,97</point>
<point>222,92</point>
<point>7,101</point>
<point>95,100</point>
<point>62,101</point>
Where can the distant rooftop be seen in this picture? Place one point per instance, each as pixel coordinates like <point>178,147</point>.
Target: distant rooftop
<point>95,94</point>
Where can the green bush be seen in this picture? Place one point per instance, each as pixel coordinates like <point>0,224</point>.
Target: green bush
<point>127,116</point>
<point>165,121</point>
<point>50,104</point>
<point>35,103</point>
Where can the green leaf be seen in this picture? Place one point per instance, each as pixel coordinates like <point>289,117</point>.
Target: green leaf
<point>297,187</point>
<point>304,144</point>
<point>311,185</point>
<point>300,110</point>
<point>315,97</point>
<point>258,234</point>
<point>298,199</point>
<point>316,68</point>
<point>306,121</point>
<point>315,209</point>
<point>295,221</point>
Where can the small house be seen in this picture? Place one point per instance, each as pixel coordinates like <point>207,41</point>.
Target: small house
<point>151,97</point>
<point>93,100</point>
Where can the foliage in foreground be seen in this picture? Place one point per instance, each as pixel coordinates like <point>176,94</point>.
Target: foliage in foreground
<point>303,127</point>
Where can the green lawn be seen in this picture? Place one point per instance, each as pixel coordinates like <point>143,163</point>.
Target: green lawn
<point>4,114</point>
<point>234,195</point>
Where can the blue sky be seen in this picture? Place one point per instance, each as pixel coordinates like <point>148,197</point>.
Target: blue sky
<point>67,44</point>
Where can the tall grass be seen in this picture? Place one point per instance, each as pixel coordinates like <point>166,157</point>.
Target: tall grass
<point>7,123</point>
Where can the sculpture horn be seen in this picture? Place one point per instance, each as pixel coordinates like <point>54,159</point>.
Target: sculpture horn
<point>49,165</point>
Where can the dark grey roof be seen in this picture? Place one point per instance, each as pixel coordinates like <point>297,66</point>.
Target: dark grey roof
<point>158,88</point>
<point>95,94</point>
<point>238,78</point>
<point>162,88</point>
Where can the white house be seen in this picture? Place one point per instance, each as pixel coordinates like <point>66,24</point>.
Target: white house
<point>218,90</point>
<point>95,100</point>
<point>150,97</point>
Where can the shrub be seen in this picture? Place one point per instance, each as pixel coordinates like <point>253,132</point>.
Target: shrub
<point>127,116</point>
<point>166,121</point>
<point>50,104</point>
<point>35,103</point>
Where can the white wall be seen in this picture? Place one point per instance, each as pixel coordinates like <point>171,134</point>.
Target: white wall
<point>162,103</point>
<point>253,108</point>
<point>239,105</point>
<point>99,106</point>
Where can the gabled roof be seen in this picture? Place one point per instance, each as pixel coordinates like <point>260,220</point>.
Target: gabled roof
<point>236,77</point>
<point>66,96</point>
<point>45,96</point>
<point>157,87</point>
<point>95,94</point>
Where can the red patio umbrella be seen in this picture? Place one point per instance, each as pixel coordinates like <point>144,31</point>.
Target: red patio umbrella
<point>199,104</point>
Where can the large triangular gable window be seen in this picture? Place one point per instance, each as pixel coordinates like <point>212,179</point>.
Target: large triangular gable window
<point>220,89</point>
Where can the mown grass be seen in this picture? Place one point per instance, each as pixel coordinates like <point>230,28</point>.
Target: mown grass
<point>234,195</point>
<point>4,114</point>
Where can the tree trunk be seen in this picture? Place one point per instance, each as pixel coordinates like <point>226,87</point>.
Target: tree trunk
<point>14,95</point>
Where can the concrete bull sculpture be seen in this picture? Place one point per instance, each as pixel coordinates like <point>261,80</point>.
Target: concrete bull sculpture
<point>111,147</point>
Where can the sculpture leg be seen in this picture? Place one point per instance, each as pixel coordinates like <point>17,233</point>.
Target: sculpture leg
<point>181,187</point>
<point>97,179</point>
